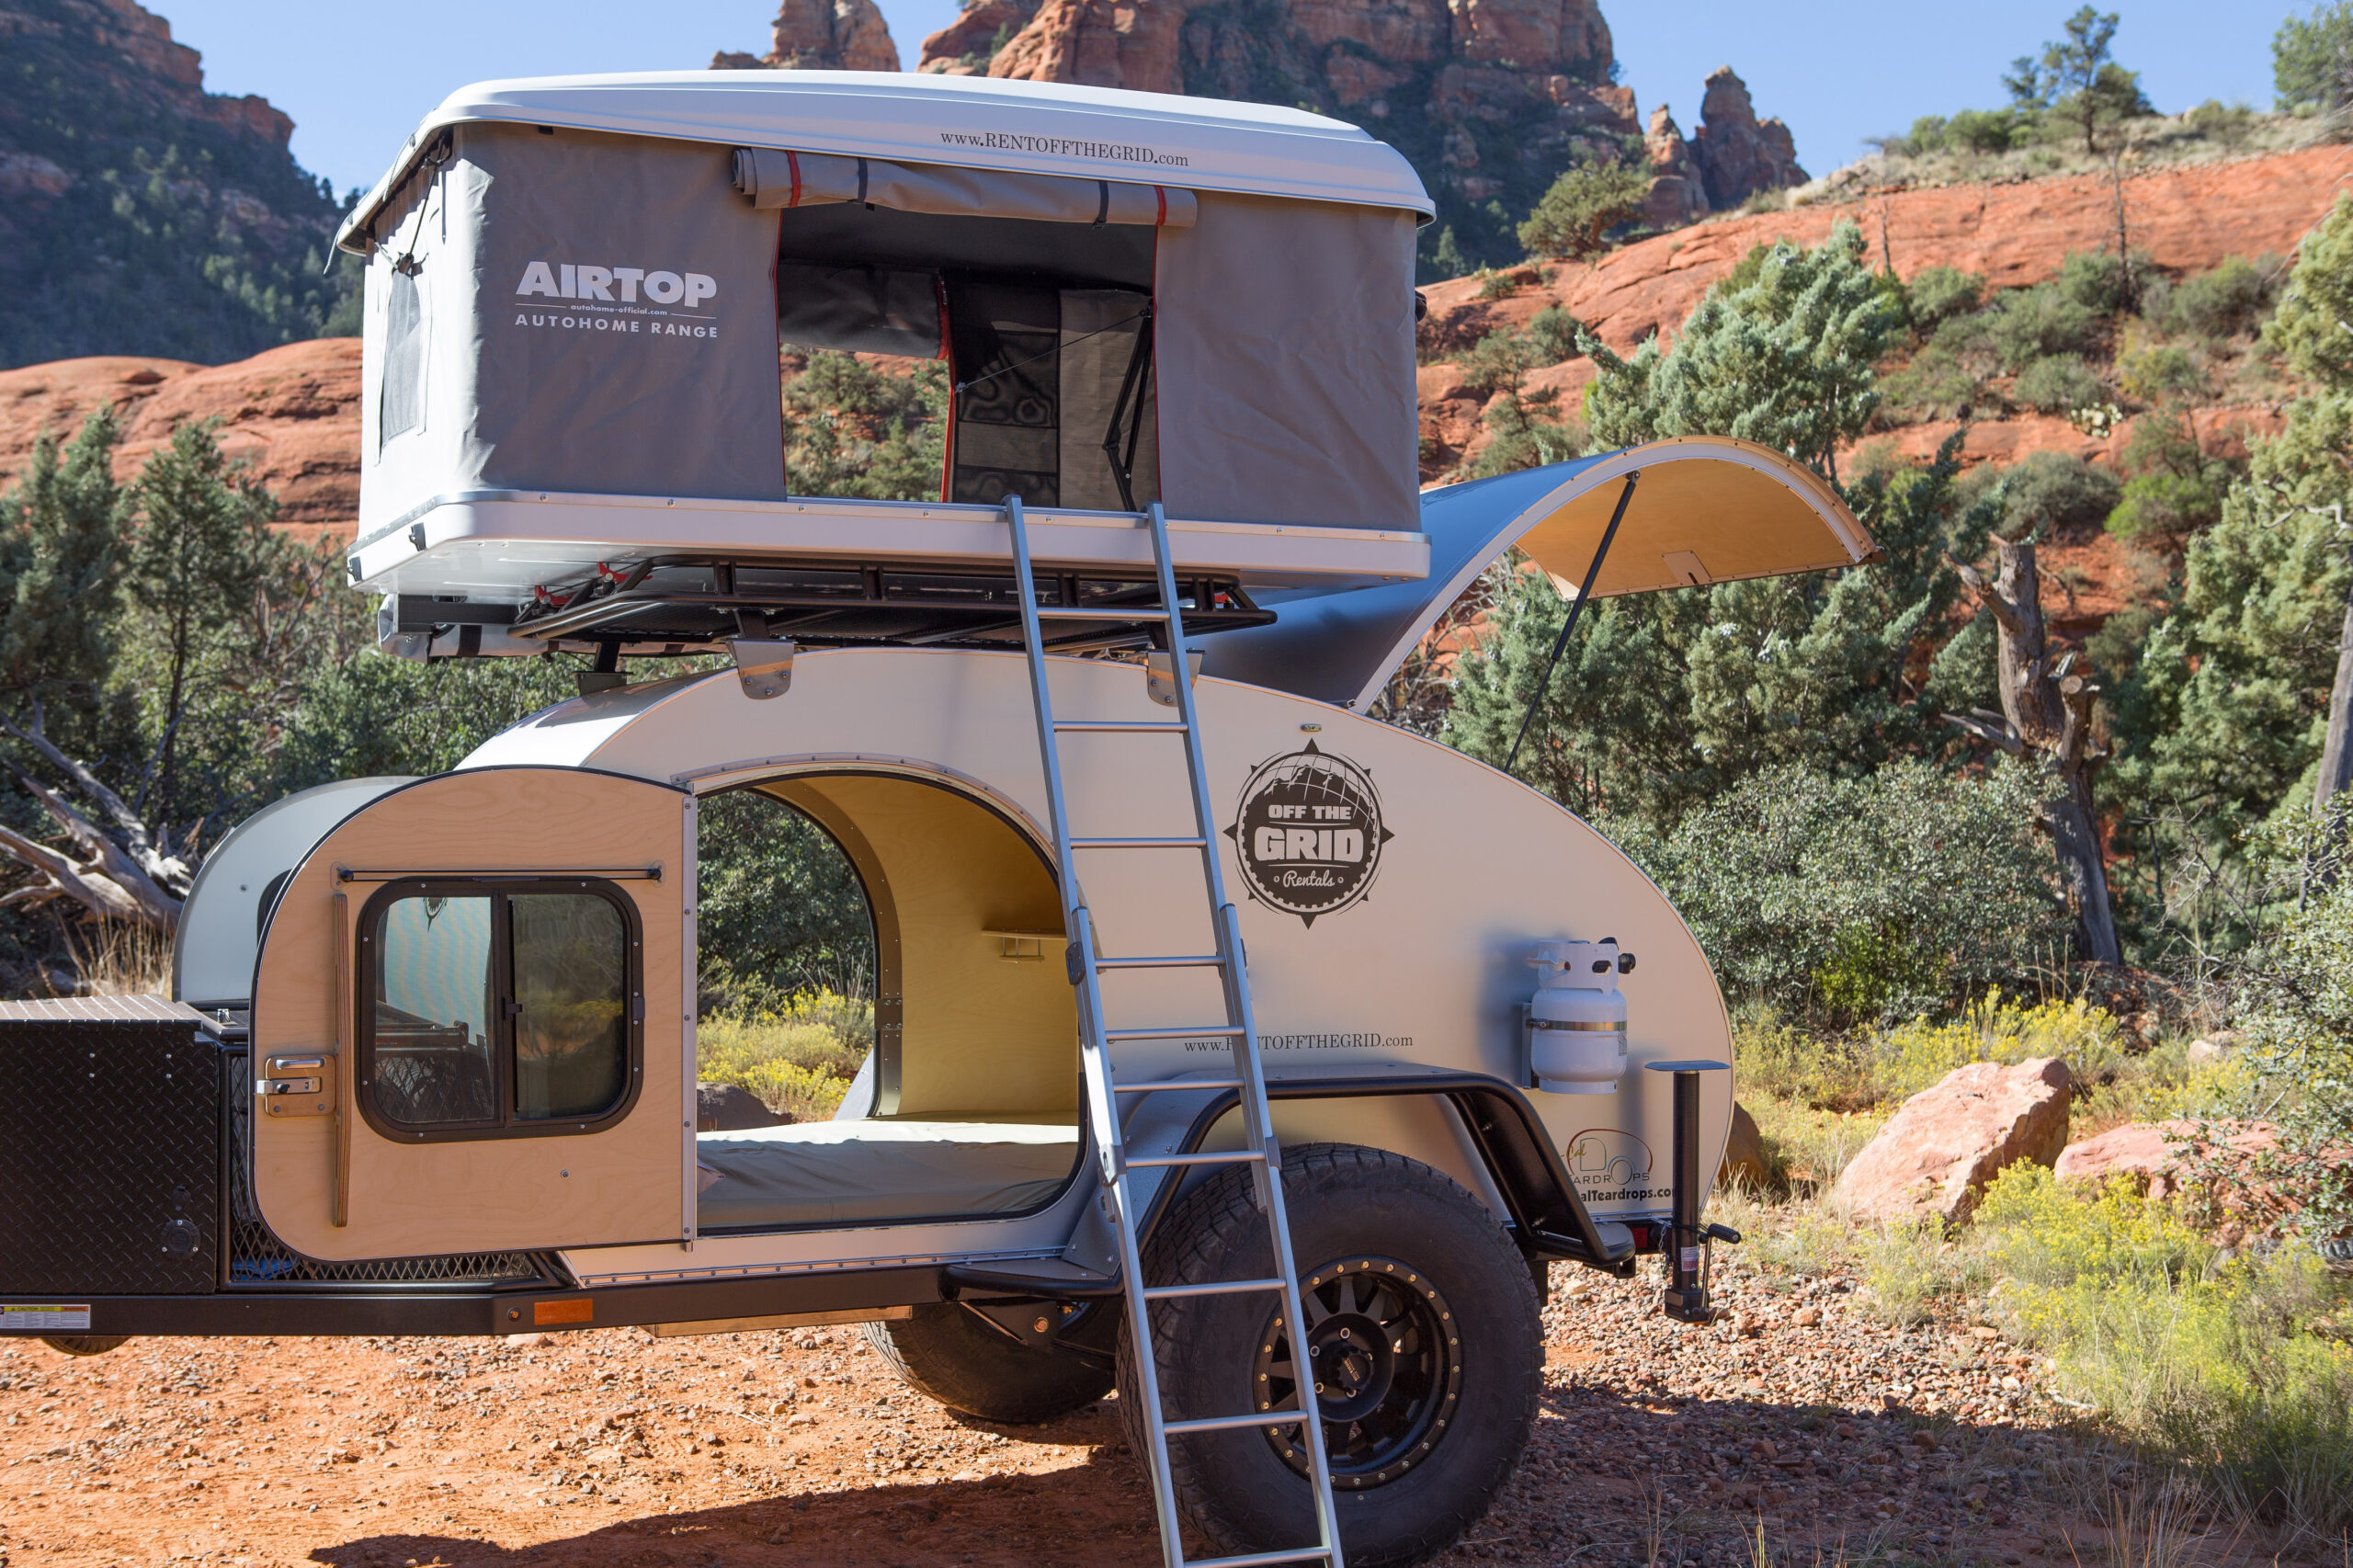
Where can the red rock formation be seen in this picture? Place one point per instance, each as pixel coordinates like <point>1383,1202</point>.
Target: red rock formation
<point>1737,155</point>
<point>1677,195</point>
<point>169,73</point>
<point>1472,68</point>
<point>821,35</point>
<point>1934,1155</point>
<point>291,414</point>
<point>2152,1153</point>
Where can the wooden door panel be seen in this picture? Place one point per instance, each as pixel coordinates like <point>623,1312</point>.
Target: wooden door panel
<point>331,1185</point>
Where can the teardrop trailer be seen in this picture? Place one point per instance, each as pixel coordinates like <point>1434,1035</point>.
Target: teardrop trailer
<point>430,1064</point>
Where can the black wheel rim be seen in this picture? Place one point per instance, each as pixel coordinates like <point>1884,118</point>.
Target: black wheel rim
<point>1387,1359</point>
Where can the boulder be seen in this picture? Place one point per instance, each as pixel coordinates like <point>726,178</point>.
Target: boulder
<point>1934,1155</point>
<point>731,1107</point>
<point>2214,1047</point>
<point>2152,1153</point>
<point>1744,1153</point>
<point>1737,154</point>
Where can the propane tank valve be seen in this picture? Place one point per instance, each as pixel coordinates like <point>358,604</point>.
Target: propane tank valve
<point>1576,1021</point>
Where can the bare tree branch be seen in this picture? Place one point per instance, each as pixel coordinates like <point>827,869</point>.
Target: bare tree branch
<point>168,871</point>
<point>60,877</point>
<point>104,866</point>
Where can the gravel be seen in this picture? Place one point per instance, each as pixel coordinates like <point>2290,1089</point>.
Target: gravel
<point>1658,1443</point>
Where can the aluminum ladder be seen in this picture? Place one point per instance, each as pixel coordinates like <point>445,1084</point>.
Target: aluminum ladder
<point>1088,968</point>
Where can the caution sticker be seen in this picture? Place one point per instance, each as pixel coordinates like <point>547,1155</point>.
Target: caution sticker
<point>44,1319</point>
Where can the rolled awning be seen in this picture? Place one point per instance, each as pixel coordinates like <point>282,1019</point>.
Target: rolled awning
<point>775,178</point>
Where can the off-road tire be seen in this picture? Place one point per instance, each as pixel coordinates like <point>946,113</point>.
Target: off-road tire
<point>84,1343</point>
<point>948,1353</point>
<point>1348,1206</point>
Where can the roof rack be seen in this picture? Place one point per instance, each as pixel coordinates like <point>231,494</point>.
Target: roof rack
<point>677,604</point>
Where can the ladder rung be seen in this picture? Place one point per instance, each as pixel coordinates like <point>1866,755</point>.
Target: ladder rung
<point>1155,1088</point>
<point>1233,1423</point>
<point>1185,961</point>
<point>1229,1030</point>
<point>1193,843</point>
<point>1261,1559</point>
<point>1118,727</point>
<point>1164,1162</point>
<point>1215,1288</point>
<point>1109,612</point>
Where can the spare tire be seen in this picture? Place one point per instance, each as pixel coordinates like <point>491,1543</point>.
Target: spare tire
<point>950,1353</point>
<point>1425,1353</point>
<point>85,1344</point>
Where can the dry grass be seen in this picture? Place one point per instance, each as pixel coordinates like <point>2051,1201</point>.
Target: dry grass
<point>112,959</point>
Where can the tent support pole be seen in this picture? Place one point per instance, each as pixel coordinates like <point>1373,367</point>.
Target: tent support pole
<point>1570,625</point>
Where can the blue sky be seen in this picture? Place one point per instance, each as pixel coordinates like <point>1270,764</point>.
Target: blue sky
<point>356,77</point>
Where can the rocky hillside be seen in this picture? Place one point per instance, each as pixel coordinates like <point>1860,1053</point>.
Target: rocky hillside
<point>1490,99</point>
<point>139,214</point>
<point>2185,221</point>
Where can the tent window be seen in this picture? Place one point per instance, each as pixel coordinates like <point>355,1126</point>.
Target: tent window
<point>497,1011</point>
<point>403,406</point>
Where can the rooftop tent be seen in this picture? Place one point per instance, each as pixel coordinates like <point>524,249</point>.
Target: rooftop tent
<point>578,286</point>
<point>1705,509</point>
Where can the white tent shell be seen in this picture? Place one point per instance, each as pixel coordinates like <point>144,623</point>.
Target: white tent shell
<point>977,122</point>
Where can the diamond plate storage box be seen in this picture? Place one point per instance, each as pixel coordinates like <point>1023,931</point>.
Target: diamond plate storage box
<point>109,1148</point>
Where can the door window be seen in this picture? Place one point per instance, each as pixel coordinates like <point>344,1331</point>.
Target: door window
<point>493,1012</point>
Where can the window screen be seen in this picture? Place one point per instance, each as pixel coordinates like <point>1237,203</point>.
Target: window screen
<point>402,408</point>
<point>497,1011</point>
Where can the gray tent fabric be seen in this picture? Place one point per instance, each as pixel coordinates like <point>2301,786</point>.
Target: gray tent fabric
<point>1098,344</point>
<point>624,316</point>
<point>774,178</point>
<point>1284,336</point>
<point>860,310</point>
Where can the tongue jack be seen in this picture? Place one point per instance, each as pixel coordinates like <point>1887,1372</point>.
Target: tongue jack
<point>1686,1298</point>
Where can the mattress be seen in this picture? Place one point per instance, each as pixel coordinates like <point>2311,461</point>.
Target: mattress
<point>839,1172</point>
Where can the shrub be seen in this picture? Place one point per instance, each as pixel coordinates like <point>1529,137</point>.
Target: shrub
<point>1938,293</point>
<point>2057,382</point>
<point>2044,492</point>
<point>2230,299</point>
<point>1985,130</point>
<point>798,1057</point>
<point>1583,205</point>
<point>1864,899</point>
<point>2231,1366</point>
<point>2093,279</point>
<point>2160,372</point>
<point>2296,1009</point>
<point>1917,1055</point>
<point>2175,489</point>
<point>2027,324</point>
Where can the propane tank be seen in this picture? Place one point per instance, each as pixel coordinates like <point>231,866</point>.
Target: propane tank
<point>1576,1022</point>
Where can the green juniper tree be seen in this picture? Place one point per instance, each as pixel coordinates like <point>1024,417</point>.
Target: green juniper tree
<point>2221,725</point>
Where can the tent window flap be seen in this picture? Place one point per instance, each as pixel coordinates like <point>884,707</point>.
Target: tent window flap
<point>774,178</point>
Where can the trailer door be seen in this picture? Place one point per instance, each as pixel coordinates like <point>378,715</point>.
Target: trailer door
<point>471,1021</point>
